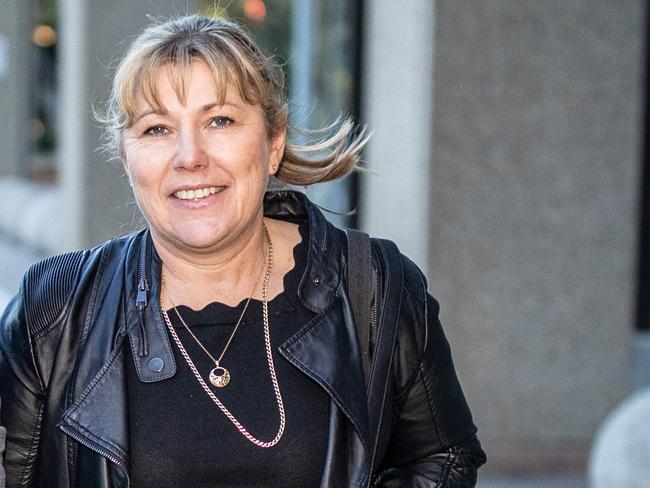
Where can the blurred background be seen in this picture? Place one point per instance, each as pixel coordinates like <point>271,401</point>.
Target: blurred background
<point>509,160</point>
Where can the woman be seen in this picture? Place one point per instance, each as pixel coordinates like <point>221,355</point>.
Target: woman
<point>217,346</point>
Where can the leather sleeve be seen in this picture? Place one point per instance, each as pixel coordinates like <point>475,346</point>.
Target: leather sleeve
<point>455,468</point>
<point>30,316</point>
<point>433,442</point>
<point>22,396</point>
<point>3,434</point>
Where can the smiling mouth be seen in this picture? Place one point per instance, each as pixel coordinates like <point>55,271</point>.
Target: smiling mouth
<point>198,194</point>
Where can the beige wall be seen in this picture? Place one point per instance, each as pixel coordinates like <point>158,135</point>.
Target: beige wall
<point>534,191</point>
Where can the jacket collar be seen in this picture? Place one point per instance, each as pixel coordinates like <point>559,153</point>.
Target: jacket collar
<point>322,277</point>
<point>317,289</point>
<point>326,349</point>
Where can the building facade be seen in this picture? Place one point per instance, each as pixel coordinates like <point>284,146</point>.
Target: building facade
<point>506,159</point>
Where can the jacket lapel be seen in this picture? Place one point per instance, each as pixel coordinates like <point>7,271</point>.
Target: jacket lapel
<point>98,418</point>
<point>327,348</point>
<point>326,351</point>
<point>155,361</point>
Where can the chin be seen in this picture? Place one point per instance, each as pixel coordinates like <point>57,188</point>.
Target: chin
<point>199,238</point>
<point>200,242</point>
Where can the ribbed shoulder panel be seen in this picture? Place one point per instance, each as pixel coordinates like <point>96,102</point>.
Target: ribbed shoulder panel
<point>414,281</point>
<point>47,287</point>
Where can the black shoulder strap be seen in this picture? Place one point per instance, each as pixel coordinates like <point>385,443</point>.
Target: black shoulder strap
<point>360,291</point>
<point>392,283</point>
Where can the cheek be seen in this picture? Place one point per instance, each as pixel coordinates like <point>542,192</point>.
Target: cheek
<point>244,160</point>
<point>143,184</point>
<point>143,165</point>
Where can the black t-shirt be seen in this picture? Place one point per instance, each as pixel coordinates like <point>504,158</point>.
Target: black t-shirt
<point>179,438</point>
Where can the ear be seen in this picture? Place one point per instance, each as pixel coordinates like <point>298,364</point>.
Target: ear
<point>125,166</point>
<point>277,151</point>
<point>121,155</point>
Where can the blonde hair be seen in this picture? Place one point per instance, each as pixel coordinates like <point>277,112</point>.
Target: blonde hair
<point>234,60</point>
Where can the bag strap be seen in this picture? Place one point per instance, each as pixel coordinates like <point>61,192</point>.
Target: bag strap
<point>360,291</point>
<point>392,284</point>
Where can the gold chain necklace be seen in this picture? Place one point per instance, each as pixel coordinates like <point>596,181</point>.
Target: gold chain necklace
<point>219,376</point>
<point>269,355</point>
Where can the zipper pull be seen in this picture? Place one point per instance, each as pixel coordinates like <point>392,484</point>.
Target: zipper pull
<point>141,302</point>
<point>143,291</point>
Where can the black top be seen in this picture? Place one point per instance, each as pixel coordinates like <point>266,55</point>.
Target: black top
<point>179,438</point>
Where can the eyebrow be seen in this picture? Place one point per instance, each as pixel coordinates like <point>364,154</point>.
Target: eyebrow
<point>205,108</point>
<point>149,112</point>
<point>210,106</point>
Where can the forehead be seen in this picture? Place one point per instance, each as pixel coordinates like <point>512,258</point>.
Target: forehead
<point>173,84</point>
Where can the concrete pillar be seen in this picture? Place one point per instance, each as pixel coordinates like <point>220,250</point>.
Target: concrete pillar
<point>533,208</point>
<point>15,64</point>
<point>94,34</point>
<point>621,451</point>
<point>398,77</point>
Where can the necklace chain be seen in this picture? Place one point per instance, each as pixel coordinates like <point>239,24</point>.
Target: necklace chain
<point>222,380</point>
<point>269,354</point>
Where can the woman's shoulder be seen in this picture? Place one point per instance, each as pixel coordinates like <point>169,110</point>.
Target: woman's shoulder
<point>49,284</point>
<point>43,293</point>
<point>393,268</point>
<point>58,272</point>
<point>404,287</point>
<point>392,263</point>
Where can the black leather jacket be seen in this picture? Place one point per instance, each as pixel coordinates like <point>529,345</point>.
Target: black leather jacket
<point>63,341</point>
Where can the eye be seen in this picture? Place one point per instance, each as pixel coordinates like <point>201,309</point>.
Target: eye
<point>220,121</point>
<point>156,130</point>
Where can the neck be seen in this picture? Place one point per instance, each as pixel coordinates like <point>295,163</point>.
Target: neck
<point>228,275</point>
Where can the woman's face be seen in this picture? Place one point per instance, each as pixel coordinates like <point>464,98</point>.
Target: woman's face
<point>199,169</point>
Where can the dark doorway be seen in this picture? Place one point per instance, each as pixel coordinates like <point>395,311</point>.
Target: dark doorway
<point>643,307</point>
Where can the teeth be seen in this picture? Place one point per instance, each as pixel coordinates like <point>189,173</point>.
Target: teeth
<point>197,194</point>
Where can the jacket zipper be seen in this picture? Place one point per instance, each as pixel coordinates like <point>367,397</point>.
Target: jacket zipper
<point>142,297</point>
<point>373,480</point>
<point>98,450</point>
<point>374,314</point>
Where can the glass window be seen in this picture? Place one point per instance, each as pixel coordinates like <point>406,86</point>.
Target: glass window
<point>317,44</point>
<point>42,165</point>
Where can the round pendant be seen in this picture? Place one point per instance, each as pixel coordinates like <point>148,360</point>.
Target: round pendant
<point>219,377</point>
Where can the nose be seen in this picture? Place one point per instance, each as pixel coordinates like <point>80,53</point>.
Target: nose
<point>190,153</point>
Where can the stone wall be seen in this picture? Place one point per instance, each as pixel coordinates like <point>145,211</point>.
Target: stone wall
<point>15,51</point>
<point>536,162</point>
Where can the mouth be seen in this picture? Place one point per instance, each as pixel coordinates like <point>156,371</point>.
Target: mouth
<point>198,194</point>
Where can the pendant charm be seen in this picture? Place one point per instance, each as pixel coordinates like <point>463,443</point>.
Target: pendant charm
<point>219,377</point>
